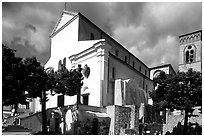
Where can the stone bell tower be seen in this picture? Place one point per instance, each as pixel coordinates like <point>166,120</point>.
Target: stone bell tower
<point>190,51</point>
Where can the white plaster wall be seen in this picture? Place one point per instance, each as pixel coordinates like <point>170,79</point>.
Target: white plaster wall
<point>52,102</point>
<point>35,105</point>
<point>96,58</point>
<point>62,45</point>
<point>64,19</point>
<point>92,81</point>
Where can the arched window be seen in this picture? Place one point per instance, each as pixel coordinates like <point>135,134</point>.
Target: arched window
<point>181,40</point>
<point>192,38</point>
<point>156,73</point>
<point>188,39</point>
<point>59,65</point>
<point>189,54</point>
<point>64,61</point>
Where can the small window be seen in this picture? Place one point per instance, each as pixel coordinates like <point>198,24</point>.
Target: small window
<point>145,72</point>
<point>116,52</point>
<point>92,36</point>
<point>140,68</point>
<point>133,64</point>
<point>126,59</point>
<point>113,72</point>
<point>85,99</point>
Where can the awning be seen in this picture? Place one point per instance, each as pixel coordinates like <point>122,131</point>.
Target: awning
<point>84,115</point>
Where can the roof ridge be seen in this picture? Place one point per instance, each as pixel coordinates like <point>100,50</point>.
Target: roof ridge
<point>70,12</point>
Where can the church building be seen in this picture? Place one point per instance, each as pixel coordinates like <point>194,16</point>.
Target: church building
<point>116,83</point>
<point>114,78</point>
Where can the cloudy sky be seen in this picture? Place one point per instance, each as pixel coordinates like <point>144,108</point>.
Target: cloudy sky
<point>148,30</point>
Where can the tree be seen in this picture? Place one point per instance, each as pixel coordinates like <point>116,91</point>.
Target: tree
<point>38,83</point>
<point>24,75</point>
<point>68,82</point>
<point>13,78</point>
<point>182,91</point>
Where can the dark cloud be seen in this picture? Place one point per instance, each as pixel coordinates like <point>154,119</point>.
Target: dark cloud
<point>97,12</point>
<point>27,26</point>
<point>149,30</point>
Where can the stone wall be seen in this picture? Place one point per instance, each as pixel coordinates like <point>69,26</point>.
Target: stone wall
<point>33,122</point>
<point>134,122</point>
<point>122,119</point>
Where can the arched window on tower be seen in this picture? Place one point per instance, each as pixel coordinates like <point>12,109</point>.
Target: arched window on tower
<point>189,54</point>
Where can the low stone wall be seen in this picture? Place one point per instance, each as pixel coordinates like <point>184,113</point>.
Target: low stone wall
<point>134,122</point>
<point>33,122</point>
<point>122,119</point>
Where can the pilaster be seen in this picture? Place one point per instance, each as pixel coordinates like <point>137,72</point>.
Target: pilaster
<point>102,53</point>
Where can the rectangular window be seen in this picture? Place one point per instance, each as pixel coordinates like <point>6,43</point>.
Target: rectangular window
<point>116,52</point>
<point>140,68</point>
<point>125,59</point>
<point>113,72</point>
<point>145,73</point>
<point>91,36</point>
<point>85,99</point>
<point>133,64</point>
<point>60,101</point>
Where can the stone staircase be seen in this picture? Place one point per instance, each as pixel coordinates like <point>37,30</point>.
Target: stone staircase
<point>16,128</point>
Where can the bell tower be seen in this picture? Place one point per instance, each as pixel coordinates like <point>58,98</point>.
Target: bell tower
<point>190,51</point>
